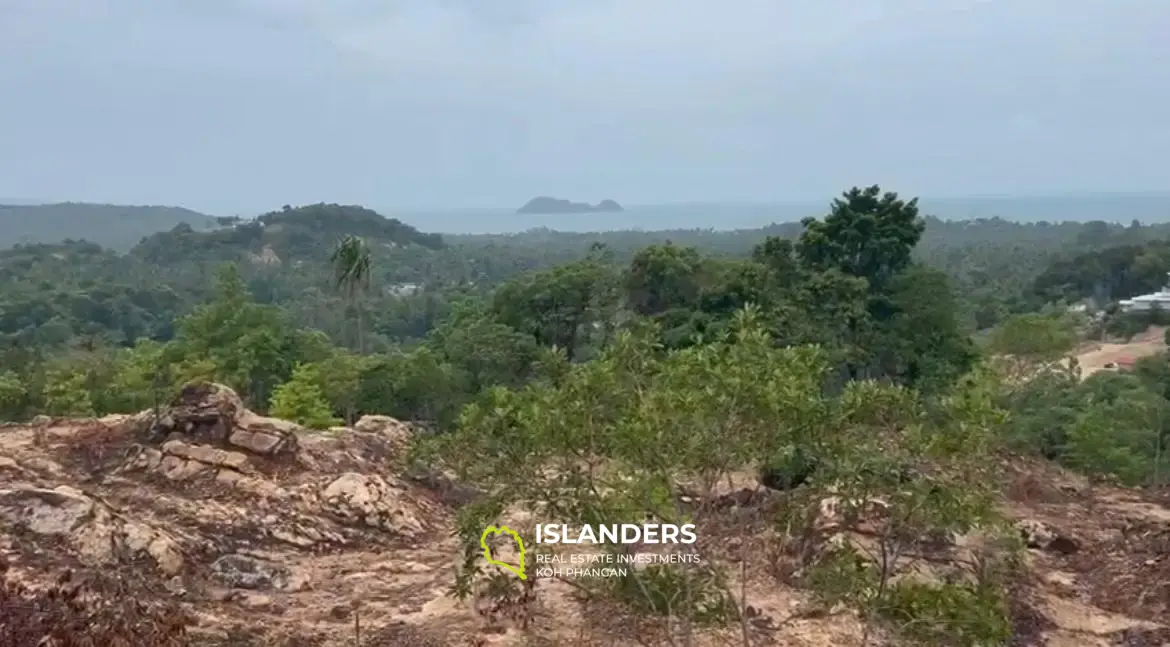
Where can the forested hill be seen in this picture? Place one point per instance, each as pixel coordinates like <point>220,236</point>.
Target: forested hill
<point>55,294</point>
<point>441,318</point>
<point>302,234</point>
<point>114,226</point>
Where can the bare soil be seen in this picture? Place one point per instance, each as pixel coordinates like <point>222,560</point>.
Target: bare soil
<point>1096,357</point>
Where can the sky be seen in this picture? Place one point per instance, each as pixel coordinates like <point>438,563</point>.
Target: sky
<point>240,106</point>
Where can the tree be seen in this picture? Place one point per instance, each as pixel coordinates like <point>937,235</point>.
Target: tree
<point>351,274</point>
<point>663,278</point>
<point>139,380</point>
<point>339,380</point>
<point>413,385</point>
<point>870,236</point>
<point>867,234</point>
<point>488,352</point>
<point>246,345</point>
<point>557,307</point>
<point>66,393</point>
<point>779,254</point>
<point>301,400</point>
<point>921,343</point>
<point>638,433</point>
<point>13,394</point>
<point>903,469</point>
<point>1028,344</point>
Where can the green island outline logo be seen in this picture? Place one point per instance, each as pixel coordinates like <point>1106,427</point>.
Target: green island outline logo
<point>487,552</point>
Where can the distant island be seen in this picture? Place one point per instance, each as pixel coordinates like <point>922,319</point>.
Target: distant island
<point>544,204</point>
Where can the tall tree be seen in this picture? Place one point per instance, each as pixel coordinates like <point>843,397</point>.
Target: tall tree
<point>559,306</point>
<point>866,234</point>
<point>351,272</point>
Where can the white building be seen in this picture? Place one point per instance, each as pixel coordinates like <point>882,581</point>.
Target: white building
<point>1145,302</point>
<point>403,289</point>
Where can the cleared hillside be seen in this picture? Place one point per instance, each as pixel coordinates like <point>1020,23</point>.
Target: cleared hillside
<point>254,531</point>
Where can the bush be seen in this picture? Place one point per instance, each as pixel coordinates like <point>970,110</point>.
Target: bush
<point>301,400</point>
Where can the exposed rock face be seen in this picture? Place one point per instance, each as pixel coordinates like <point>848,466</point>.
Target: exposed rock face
<point>280,552</point>
<point>368,499</point>
<point>396,432</point>
<point>96,533</point>
<point>212,413</point>
<point>214,505</point>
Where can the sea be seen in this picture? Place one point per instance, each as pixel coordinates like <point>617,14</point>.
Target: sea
<point>1148,208</point>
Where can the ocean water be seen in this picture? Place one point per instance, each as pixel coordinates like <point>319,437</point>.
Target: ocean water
<point>646,218</point>
<point>1147,208</point>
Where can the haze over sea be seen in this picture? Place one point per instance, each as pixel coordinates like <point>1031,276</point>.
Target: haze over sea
<point>1123,207</point>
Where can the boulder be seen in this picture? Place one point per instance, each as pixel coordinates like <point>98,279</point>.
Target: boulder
<point>1038,535</point>
<point>214,414</point>
<point>397,432</point>
<point>207,455</point>
<point>244,572</point>
<point>367,499</point>
<point>59,511</point>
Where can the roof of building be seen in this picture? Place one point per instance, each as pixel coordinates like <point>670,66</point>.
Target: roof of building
<point>1161,296</point>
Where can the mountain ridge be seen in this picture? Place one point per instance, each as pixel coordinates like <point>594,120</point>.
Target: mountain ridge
<point>113,226</point>
<point>121,227</point>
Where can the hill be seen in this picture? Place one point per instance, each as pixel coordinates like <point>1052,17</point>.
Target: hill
<point>53,293</point>
<point>302,233</point>
<point>64,290</point>
<point>118,227</point>
<point>546,205</point>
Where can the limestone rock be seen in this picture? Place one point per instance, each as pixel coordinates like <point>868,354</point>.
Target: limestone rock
<point>178,469</point>
<point>378,424</point>
<point>140,538</point>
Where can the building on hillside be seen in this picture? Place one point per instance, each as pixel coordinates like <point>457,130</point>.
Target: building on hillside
<point>1159,300</point>
<point>403,289</point>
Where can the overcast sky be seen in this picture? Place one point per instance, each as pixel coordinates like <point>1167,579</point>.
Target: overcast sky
<point>243,105</point>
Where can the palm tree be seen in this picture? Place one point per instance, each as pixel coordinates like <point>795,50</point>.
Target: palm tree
<point>351,272</point>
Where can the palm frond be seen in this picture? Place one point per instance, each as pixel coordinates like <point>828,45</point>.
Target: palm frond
<point>351,264</point>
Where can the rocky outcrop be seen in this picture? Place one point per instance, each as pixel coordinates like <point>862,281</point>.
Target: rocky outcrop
<point>395,433</point>
<point>210,413</point>
<point>271,534</point>
<point>370,500</point>
<point>97,533</point>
